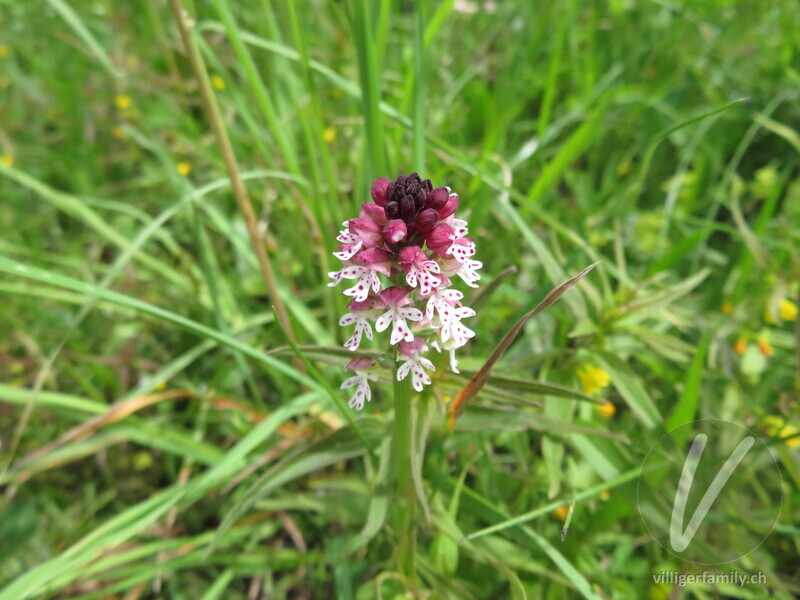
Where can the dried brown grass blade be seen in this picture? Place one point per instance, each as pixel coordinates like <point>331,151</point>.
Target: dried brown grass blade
<point>116,412</point>
<point>479,379</point>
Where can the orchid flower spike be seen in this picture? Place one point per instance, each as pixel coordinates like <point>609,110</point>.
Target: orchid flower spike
<point>400,255</point>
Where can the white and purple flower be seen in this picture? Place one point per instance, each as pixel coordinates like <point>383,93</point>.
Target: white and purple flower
<point>394,300</point>
<point>414,363</point>
<point>403,249</point>
<point>365,372</point>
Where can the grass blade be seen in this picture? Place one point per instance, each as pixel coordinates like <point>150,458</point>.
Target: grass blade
<point>74,21</point>
<point>13,267</point>
<point>479,379</point>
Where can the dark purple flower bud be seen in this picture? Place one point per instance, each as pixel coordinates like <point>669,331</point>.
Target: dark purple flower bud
<point>392,210</point>
<point>437,198</point>
<point>426,220</point>
<point>450,207</point>
<point>407,208</point>
<point>395,231</point>
<point>379,189</point>
<point>420,198</point>
<point>427,185</point>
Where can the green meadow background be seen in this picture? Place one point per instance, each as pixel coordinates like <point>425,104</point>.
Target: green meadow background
<point>160,439</point>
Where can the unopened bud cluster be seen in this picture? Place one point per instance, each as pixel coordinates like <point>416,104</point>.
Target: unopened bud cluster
<point>402,253</point>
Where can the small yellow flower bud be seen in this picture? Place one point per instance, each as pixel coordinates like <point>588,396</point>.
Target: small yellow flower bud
<point>772,424</point>
<point>183,168</point>
<point>218,82</point>
<point>787,310</point>
<point>727,307</point>
<point>561,512</point>
<point>7,160</point>
<point>4,51</point>
<point>793,443</point>
<point>607,410</point>
<point>142,460</point>
<point>329,134</point>
<point>740,346</point>
<point>764,347</point>
<point>593,378</point>
<point>123,102</point>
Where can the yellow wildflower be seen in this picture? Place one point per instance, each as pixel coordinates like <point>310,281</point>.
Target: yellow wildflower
<point>764,182</point>
<point>183,168</point>
<point>764,347</point>
<point>727,307</point>
<point>593,378</point>
<point>142,460</point>
<point>561,512</point>
<point>218,82</point>
<point>329,134</point>
<point>793,443</point>
<point>740,346</point>
<point>607,409</point>
<point>772,424</point>
<point>123,102</point>
<point>7,160</point>
<point>597,239</point>
<point>787,310</point>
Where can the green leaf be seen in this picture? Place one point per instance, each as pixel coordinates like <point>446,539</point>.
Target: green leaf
<point>13,267</point>
<point>686,409</point>
<point>133,520</point>
<point>378,506</point>
<point>342,445</point>
<point>480,378</point>
<point>74,21</point>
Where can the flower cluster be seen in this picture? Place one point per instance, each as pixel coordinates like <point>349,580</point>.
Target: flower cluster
<point>401,255</point>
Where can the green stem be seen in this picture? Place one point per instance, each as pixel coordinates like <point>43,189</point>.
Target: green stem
<point>184,23</point>
<point>405,498</point>
<point>402,436</point>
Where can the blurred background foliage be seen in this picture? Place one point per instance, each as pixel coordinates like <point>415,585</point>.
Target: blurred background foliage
<point>157,439</point>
